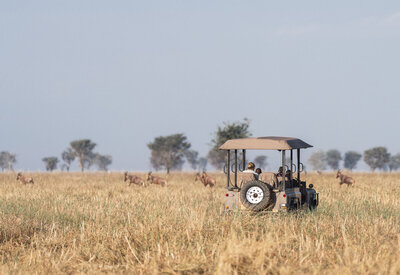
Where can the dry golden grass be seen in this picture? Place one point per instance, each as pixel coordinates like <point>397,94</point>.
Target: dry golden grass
<point>93,222</point>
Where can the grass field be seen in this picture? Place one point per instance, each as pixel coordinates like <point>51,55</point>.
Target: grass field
<point>93,222</point>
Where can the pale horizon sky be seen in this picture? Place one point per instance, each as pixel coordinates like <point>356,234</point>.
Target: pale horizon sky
<point>124,72</point>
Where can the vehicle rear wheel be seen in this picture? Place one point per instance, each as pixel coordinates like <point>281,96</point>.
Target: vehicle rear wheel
<point>255,195</point>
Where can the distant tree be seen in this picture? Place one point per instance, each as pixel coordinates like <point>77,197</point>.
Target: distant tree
<point>228,131</point>
<point>50,163</point>
<point>7,160</point>
<point>394,162</point>
<point>333,157</point>
<point>102,161</point>
<point>192,158</point>
<point>83,151</point>
<point>350,159</point>
<point>261,162</point>
<point>317,161</point>
<point>377,158</point>
<point>68,157</point>
<point>2,161</point>
<point>90,160</point>
<point>169,151</point>
<point>202,164</point>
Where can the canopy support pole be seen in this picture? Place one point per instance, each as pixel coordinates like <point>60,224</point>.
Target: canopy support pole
<point>291,164</point>
<point>236,168</point>
<point>283,169</point>
<point>298,165</point>
<point>228,169</point>
<point>244,160</point>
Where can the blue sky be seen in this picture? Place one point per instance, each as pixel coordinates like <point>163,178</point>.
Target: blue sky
<point>124,72</point>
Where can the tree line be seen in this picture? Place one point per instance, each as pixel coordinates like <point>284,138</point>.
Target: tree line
<point>376,158</point>
<point>81,150</point>
<point>172,151</point>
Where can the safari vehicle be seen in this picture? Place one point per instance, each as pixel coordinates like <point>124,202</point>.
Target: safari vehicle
<point>271,191</point>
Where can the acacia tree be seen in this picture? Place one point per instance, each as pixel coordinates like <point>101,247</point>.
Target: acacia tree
<point>394,162</point>
<point>90,160</point>
<point>318,161</point>
<point>2,161</point>
<point>377,158</point>
<point>7,160</point>
<point>192,157</point>
<point>169,151</point>
<point>83,151</point>
<point>227,131</point>
<point>333,157</point>
<point>102,161</point>
<point>350,159</point>
<point>50,163</point>
<point>68,157</point>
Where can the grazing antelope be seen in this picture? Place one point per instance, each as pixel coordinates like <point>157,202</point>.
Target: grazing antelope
<point>205,179</point>
<point>344,179</point>
<point>24,180</point>
<point>133,179</point>
<point>156,180</point>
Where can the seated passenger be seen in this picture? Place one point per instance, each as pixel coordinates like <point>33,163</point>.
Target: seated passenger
<point>258,171</point>
<point>287,174</point>
<point>250,169</point>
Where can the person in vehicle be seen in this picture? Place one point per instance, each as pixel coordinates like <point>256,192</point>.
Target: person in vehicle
<point>258,171</point>
<point>250,169</point>
<point>280,173</point>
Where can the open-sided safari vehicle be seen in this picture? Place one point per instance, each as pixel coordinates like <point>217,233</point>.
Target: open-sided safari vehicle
<point>271,191</point>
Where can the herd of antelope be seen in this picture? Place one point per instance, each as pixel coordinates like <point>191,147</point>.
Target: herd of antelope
<point>202,177</point>
<point>132,179</point>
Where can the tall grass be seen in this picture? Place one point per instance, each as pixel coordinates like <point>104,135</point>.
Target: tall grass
<point>93,222</point>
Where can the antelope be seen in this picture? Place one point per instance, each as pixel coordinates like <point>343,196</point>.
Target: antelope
<point>205,179</point>
<point>156,180</point>
<point>133,179</point>
<point>24,180</point>
<point>344,179</point>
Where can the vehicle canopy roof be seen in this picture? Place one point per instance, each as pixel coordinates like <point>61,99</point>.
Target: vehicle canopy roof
<point>265,143</point>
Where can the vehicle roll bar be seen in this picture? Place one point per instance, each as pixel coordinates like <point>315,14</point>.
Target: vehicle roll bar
<point>228,169</point>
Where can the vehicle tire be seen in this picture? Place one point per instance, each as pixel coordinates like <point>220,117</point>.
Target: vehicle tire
<point>256,195</point>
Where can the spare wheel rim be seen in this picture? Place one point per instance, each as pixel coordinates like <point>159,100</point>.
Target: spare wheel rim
<point>254,195</point>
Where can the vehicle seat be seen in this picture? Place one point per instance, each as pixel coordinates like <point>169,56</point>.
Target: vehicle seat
<point>268,177</point>
<point>245,177</point>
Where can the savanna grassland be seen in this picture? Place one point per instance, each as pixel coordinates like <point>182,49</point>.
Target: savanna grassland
<point>93,222</point>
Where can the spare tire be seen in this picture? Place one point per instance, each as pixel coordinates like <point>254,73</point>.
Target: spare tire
<point>256,195</point>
